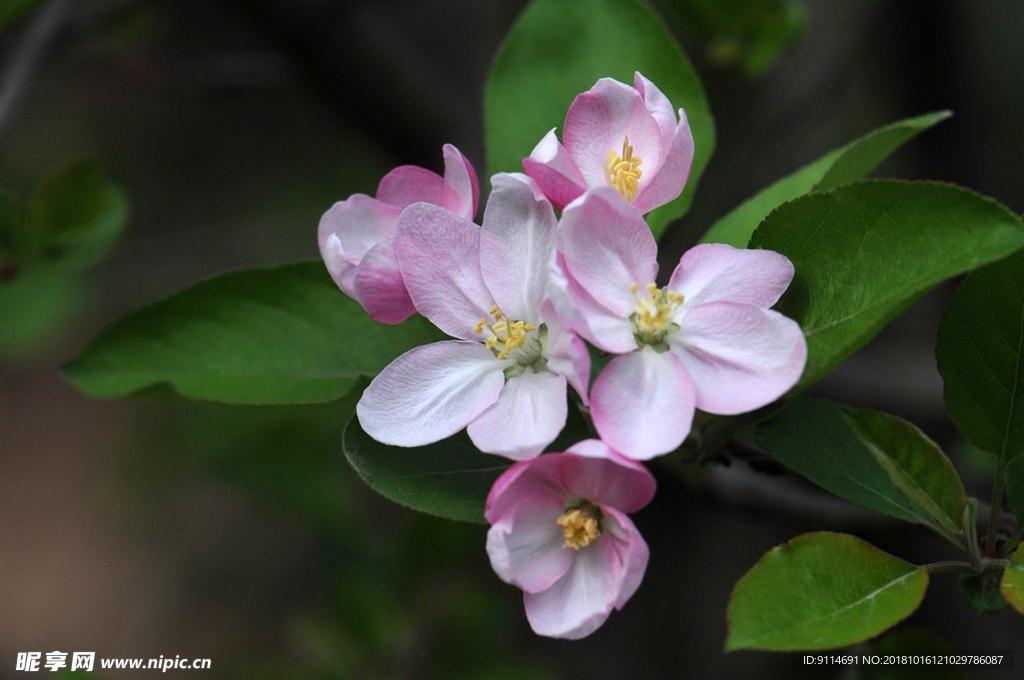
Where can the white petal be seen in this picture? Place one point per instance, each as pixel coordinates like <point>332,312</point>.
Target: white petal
<point>529,414</point>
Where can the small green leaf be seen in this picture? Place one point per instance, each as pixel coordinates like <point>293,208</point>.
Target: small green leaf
<point>76,215</point>
<point>449,479</point>
<point>981,592</point>
<point>36,304</point>
<point>980,352</point>
<point>560,48</point>
<point>821,591</point>
<point>283,335</point>
<point>865,251</point>
<point>1012,586</point>
<point>869,458</point>
<point>845,164</point>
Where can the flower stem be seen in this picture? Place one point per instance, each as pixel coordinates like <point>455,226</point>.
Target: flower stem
<point>997,509</point>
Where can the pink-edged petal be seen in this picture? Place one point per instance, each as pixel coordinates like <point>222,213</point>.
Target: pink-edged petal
<point>379,286</point>
<point>539,476</point>
<point>517,244</point>
<point>554,171</point>
<point>599,121</point>
<point>341,268</point>
<point>579,602</point>
<point>716,272</point>
<point>642,403</point>
<point>462,192</point>
<point>593,471</point>
<point>632,551</point>
<point>439,255</point>
<point>579,312</point>
<point>606,247</point>
<point>408,184</point>
<point>668,182</point>
<point>528,415</point>
<point>739,357</point>
<point>526,544</point>
<point>430,393</point>
<point>658,105</point>
<point>360,222</point>
<point>566,354</point>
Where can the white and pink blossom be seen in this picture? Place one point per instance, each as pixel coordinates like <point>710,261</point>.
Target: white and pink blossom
<point>707,340</point>
<point>626,137</point>
<point>356,235</point>
<point>559,531</point>
<point>504,375</point>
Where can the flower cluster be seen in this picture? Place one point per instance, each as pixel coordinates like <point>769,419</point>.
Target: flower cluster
<point>520,293</point>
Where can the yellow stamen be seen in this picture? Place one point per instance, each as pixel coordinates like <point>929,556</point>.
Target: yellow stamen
<point>506,336</point>
<point>623,172</point>
<point>580,526</point>
<point>654,312</point>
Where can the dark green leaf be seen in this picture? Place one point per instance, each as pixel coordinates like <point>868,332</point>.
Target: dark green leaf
<point>449,479</point>
<point>911,641</point>
<point>283,335</point>
<point>864,251</point>
<point>1015,486</point>
<point>559,48</point>
<point>980,352</point>
<point>869,458</point>
<point>821,591</point>
<point>1012,586</point>
<point>36,304</point>
<point>845,164</point>
<point>981,592</point>
<point>76,214</point>
<point>12,10</point>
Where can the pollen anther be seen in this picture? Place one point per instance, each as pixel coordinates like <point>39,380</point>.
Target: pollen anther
<point>580,525</point>
<point>623,171</point>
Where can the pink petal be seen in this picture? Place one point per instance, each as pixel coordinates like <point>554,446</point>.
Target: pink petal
<point>517,245</point>
<point>408,184</point>
<point>379,286</point>
<point>462,193</point>
<point>715,272</point>
<point>578,311</point>
<point>349,230</point>
<point>597,473</point>
<point>599,121</point>
<point>607,248</point>
<point>439,255</point>
<point>528,415</point>
<point>578,603</point>
<point>632,551</point>
<point>642,403</point>
<point>430,393</point>
<point>739,357</point>
<point>555,173</point>
<point>526,544</point>
<point>658,105</point>
<point>539,476</point>
<point>668,182</point>
<point>566,354</point>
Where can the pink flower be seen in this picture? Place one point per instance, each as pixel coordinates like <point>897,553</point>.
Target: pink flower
<point>707,340</point>
<point>356,234</point>
<point>617,135</point>
<point>505,374</point>
<point>559,531</point>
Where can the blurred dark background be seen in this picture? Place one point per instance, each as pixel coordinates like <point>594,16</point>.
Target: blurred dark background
<point>145,528</point>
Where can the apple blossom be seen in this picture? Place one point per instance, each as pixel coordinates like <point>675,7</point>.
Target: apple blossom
<point>620,136</point>
<point>356,234</point>
<point>559,531</point>
<point>707,340</point>
<point>505,374</point>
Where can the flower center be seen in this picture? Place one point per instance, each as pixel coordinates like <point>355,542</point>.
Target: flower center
<point>580,525</point>
<point>652,320</point>
<point>509,339</point>
<point>623,171</point>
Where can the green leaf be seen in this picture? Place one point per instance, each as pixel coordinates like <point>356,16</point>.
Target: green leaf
<point>12,10</point>
<point>981,592</point>
<point>864,251</point>
<point>448,479</point>
<point>869,458</point>
<point>560,48</point>
<point>1012,586</point>
<point>36,304</point>
<point>980,352</point>
<point>283,335</point>
<point>845,164</point>
<point>821,591</point>
<point>76,215</point>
